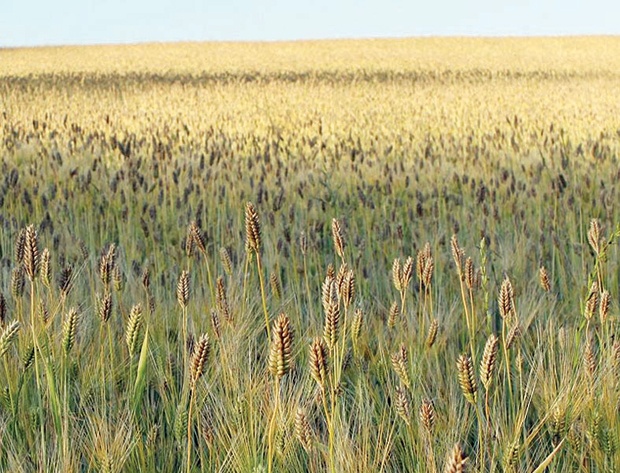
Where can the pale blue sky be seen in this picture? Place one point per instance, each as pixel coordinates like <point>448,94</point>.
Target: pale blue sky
<point>47,22</point>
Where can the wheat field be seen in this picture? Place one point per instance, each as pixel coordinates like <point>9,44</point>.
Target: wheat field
<point>344,256</point>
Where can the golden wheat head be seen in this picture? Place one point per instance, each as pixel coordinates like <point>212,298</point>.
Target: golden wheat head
<point>105,307</point>
<point>470,278</point>
<point>543,276</point>
<point>456,460</point>
<point>221,300</point>
<point>506,299</point>
<point>406,273</point>
<point>594,235</point>
<point>226,260</point>
<point>183,289</point>
<point>399,363</point>
<point>427,415</point>
<point>46,268</point>
<point>197,237</point>
<point>466,378</point>
<point>338,238</point>
<point>199,358</point>
<point>489,359</point>
<point>32,261</point>
<point>280,354</point>
<point>18,282</point>
<point>303,243</point>
<point>457,254</point>
<point>134,325</point>
<point>592,301</point>
<point>8,335</point>
<point>331,330</point>
<point>604,306</point>
<point>318,361</point>
<point>397,274</point>
<point>303,431</point>
<point>432,333</point>
<point>252,228</point>
<point>20,246</point>
<point>69,330</point>
<point>393,315</point>
<point>403,408</point>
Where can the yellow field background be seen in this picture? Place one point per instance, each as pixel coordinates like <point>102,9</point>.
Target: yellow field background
<point>384,90</point>
<point>580,55</point>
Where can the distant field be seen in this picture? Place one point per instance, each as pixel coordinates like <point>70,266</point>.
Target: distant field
<point>188,189</point>
<point>581,55</point>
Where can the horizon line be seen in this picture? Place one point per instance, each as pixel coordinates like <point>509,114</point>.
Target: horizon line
<point>309,40</point>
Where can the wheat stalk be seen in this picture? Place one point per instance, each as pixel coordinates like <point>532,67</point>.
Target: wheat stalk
<point>252,228</point>
<point>427,415</point>
<point>457,254</point>
<point>216,324</point>
<point>505,300</point>
<point>18,282</point>
<point>466,378</point>
<point>590,359</point>
<point>253,245</point>
<point>402,405</point>
<point>592,301</point>
<point>118,281</point>
<point>146,278</point>
<point>69,330</point>
<point>432,333</point>
<point>399,363</point>
<point>427,273</point>
<point>356,325</point>
<point>543,276</point>
<point>226,261</point>
<point>183,289</point>
<point>456,460</point>
<point>393,315</point>
<point>406,273</point>
<point>65,281</point>
<point>281,345</point>
<point>105,307</point>
<point>280,359</point>
<point>221,300</point>
<point>199,358</point>
<point>197,237</point>
<point>594,235</point>
<point>20,246</point>
<point>604,306</point>
<point>469,274</point>
<point>319,361</point>
<point>331,330</point>
<point>46,268</point>
<point>276,288</point>
<point>397,274</point>
<point>329,294</point>
<point>133,328</point>
<point>489,358</point>
<point>348,288</point>
<point>338,238</point>
<point>105,269</point>
<point>512,336</point>
<point>2,310</point>
<point>303,431</point>
<point>303,243</point>
<point>8,335</point>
